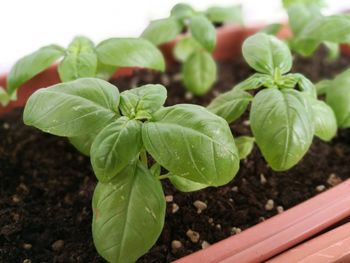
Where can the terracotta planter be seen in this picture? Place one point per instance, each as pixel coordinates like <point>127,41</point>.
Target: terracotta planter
<point>334,246</point>
<point>266,239</point>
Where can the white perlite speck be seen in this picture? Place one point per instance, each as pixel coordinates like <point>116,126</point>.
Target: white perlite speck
<point>320,188</point>
<point>193,236</point>
<point>280,209</point>
<point>269,205</point>
<point>200,206</point>
<point>169,198</point>
<point>205,244</point>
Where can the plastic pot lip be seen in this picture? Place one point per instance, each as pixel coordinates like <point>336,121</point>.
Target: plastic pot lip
<point>265,239</point>
<point>332,246</point>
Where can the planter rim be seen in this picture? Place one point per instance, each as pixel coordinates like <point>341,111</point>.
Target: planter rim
<point>266,239</point>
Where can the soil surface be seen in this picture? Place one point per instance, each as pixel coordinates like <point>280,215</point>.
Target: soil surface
<point>46,185</point>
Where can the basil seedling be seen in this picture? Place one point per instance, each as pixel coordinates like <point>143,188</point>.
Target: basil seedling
<point>285,113</point>
<point>83,59</point>
<point>337,96</point>
<point>311,28</point>
<point>193,145</point>
<point>194,50</point>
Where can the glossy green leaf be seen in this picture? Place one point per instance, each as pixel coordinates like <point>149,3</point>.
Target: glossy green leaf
<point>324,120</point>
<point>203,32</point>
<point>199,72</point>
<point>255,81</point>
<point>244,145</point>
<point>162,30</point>
<point>338,98</point>
<point>191,142</point>
<point>141,102</point>
<point>130,52</point>
<point>230,105</point>
<point>114,147</point>
<point>281,122</point>
<point>155,169</point>
<point>128,214</point>
<point>182,11</point>
<point>80,60</point>
<point>219,14</point>
<point>83,142</point>
<point>73,108</point>
<point>185,47</point>
<point>31,65</point>
<point>185,185</point>
<point>265,53</point>
<point>304,84</point>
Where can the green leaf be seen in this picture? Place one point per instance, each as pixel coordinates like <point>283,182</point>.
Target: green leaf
<point>203,31</point>
<point>155,169</point>
<point>281,122</point>
<point>193,143</point>
<point>80,60</point>
<point>114,147</point>
<point>272,29</point>
<point>83,142</point>
<point>218,14</point>
<point>265,53</point>
<point>4,97</point>
<point>73,108</point>
<point>255,81</point>
<point>338,98</point>
<point>333,50</point>
<point>142,102</point>
<point>230,105</point>
<point>31,65</point>
<point>244,145</point>
<point>104,71</point>
<point>185,185</point>
<point>182,11</point>
<point>128,214</point>
<point>324,120</point>
<point>185,47</point>
<point>304,84</point>
<point>199,72</point>
<point>322,86</point>
<point>319,3</point>
<point>162,30</point>
<point>130,52</point>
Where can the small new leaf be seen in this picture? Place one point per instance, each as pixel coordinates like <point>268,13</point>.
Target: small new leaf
<point>199,72</point>
<point>185,47</point>
<point>80,60</point>
<point>265,53</point>
<point>137,102</point>
<point>244,145</point>
<point>185,185</point>
<point>219,14</point>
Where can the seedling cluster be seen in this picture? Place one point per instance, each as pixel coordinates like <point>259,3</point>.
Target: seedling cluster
<point>134,141</point>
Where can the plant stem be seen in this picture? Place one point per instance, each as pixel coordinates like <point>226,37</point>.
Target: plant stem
<point>164,176</point>
<point>143,156</point>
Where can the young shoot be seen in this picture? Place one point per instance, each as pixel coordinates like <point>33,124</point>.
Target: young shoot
<point>193,145</point>
<point>285,113</point>
<point>83,59</point>
<point>195,49</point>
<point>311,28</point>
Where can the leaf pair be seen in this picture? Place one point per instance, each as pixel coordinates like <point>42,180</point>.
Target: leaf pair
<point>283,119</point>
<point>83,59</point>
<point>311,28</point>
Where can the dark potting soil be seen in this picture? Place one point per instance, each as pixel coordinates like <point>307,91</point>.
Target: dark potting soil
<point>46,185</point>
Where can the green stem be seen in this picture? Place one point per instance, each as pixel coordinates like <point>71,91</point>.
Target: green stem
<point>164,176</point>
<point>143,156</point>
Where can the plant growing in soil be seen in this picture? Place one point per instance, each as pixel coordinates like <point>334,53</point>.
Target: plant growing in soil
<point>83,59</point>
<point>194,146</point>
<point>337,96</point>
<point>311,28</point>
<point>193,50</point>
<point>285,113</point>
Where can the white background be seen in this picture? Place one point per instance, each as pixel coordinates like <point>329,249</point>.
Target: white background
<point>26,25</point>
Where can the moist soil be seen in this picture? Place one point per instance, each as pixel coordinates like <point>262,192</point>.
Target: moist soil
<point>46,185</point>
